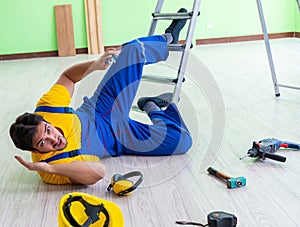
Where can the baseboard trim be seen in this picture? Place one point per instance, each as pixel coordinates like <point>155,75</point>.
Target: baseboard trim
<point>198,42</point>
<point>246,38</point>
<point>38,54</point>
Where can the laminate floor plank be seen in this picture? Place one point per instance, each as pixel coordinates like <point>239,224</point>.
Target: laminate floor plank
<point>227,102</point>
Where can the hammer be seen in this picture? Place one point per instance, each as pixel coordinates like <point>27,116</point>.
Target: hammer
<point>232,182</point>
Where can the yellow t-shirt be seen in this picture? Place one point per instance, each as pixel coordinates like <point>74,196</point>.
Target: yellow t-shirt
<point>58,96</point>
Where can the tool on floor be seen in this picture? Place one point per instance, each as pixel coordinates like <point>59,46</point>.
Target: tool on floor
<point>215,219</point>
<point>232,182</point>
<point>266,148</point>
<point>121,184</point>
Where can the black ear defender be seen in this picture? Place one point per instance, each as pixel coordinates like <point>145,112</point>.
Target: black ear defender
<point>122,185</point>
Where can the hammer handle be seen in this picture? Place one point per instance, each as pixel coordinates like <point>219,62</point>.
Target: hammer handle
<point>218,173</point>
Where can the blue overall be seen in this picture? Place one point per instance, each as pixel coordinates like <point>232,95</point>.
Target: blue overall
<point>107,129</point>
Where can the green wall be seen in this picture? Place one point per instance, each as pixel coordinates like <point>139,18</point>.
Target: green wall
<point>297,19</point>
<point>29,26</point>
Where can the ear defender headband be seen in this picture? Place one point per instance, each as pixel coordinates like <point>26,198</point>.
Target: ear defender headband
<point>121,185</point>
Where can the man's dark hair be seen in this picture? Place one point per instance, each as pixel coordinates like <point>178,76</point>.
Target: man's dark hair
<point>24,129</point>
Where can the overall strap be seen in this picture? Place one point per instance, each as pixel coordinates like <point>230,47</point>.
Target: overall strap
<point>69,154</point>
<point>52,109</point>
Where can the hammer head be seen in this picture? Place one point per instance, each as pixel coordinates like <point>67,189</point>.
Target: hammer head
<point>236,182</point>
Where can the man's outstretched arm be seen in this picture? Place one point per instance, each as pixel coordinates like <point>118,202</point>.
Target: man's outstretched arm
<point>78,172</point>
<point>77,72</point>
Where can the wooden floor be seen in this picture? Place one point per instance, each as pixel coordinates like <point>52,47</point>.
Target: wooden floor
<point>227,101</point>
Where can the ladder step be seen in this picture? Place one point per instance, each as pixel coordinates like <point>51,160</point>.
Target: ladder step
<point>159,79</point>
<point>176,47</point>
<point>171,16</point>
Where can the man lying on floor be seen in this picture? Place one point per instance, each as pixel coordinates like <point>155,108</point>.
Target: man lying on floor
<point>67,145</point>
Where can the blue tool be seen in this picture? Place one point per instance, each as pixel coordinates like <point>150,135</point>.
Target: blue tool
<point>110,59</point>
<point>266,148</point>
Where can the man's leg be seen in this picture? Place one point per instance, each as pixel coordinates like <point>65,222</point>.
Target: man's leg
<point>167,135</point>
<point>163,137</point>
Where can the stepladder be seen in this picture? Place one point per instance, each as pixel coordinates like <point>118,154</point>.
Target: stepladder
<point>184,47</point>
<point>269,52</point>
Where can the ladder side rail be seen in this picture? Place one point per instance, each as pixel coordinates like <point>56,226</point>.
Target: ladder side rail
<point>185,53</point>
<point>154,21</point>
<point>267,45</point>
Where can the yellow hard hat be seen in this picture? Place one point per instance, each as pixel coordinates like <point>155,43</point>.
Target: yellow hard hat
<point>84,210</point>
<point>121,185</point>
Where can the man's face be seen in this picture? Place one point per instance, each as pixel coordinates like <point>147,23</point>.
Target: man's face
<point>48,138</point>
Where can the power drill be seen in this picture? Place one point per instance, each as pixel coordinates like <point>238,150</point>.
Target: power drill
<point>266,148</point>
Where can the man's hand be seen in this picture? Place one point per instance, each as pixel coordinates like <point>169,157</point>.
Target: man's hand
<point>36,166</point>
<point>79,71</point>
<point>107,58</point>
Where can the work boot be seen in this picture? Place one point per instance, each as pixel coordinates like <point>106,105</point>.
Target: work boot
<point>176,26</point>
<point>161,101</point>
